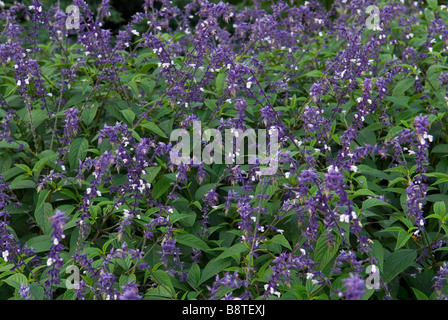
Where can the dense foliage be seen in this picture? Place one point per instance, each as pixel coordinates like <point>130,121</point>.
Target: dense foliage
<point>88,191</point>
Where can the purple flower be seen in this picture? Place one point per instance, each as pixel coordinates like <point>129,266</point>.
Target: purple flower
<point>355,287</point>
<point>54,260</point>
<point>130,292</point>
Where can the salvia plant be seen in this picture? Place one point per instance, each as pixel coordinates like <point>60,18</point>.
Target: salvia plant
<point>92,205</point>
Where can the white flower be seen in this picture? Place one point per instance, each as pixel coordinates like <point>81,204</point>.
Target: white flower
<point>135,32</point>
<point>88,190</point>
<point>55,241</point>
<point>354,168</point>
<point>309,275</point>
<point>126,213</point>
<point>287,174</point>
<point>5,255</point>
<point>344,218</point>
<point>248,84</point>
<point>49,261</point>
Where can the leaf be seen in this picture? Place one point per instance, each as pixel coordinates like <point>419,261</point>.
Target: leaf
<point>154,128</point>
<point>88,114</point>
<point>43,195</point>
<point>440,148</point>
<point>113,108</point>
<point>194,275</point>
<point>440,208</point>
<point>16,280</point>
<point>312,73</point>
<point>397,262</point>
<point>214,267</point>
<point>402,239</point>
<point>36,291</point>
<point>363,192</point>
<point>402,86</point>
<point>324,252</point>
<point>233,251</point>
<point>221,81</point>
<point>378,253</point>
<point>281,240</point>
<point>419,295</point>
<point>5,163</point>
<point>373,202</point>
<point>201,192</point>
<point>129,115</point>
<point>162,277</point>
<point>40,243</point>
<point>42,162</point>
<point>152,173</point>
<point>192,241</point>
<point>161,187</point>
<point>42,214</point>
<point>362,168</point>
<point>22,184</point>
<point>77,151</point>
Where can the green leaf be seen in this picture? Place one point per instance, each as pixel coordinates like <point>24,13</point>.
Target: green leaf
<point>22,184</point>
<point>325,251</point>
<point>313,74</point>
<point>440,148</point>
<point>234,251</point>
<point>221,81</point>
<point>194,275</point>
<point>378,253</point>
<point>43,195</point>
<point>403,237</point>
<point>162,277</point>
<point>42,162</point>
<point>152,173</point>
<point>161,187</point>
<point>192,241</point>
<point>214,267</point>
<point>402,86</point>
<point>362,168</point>
<point>154,128</point>
<point>281,240</point>
<point>129,115</point>
<point>200,193</point>
<point>397,262</point>
<point>16,280</point>
<point>363,192</point>
<point>42,214</point>
<point>36,291</point>
<point>419,295</point>
<point>5,163</point>
<point>440,208</point>
<point>88,114</point>
<point>373,202</point>
<point>40,243</point>
<point>77,151</point>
